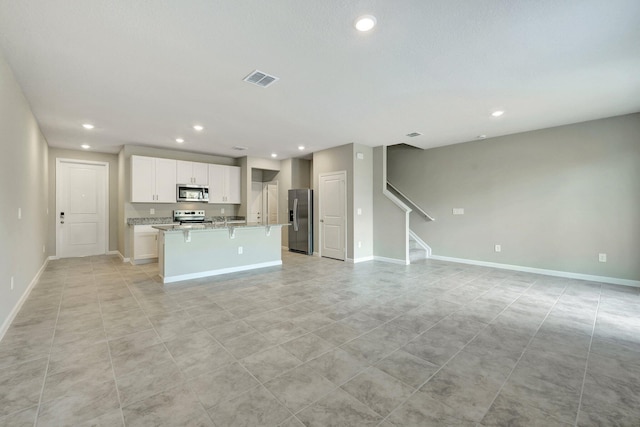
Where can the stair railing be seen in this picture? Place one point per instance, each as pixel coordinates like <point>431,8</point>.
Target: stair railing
<point>410,202</point>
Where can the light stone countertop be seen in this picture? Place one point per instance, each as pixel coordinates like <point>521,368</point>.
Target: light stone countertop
<point>215,226</point>
<point>169,220</point>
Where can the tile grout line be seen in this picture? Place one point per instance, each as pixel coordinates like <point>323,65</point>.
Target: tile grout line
<point>417,389</point>
<point>183,378</point>
<point>186,380</point>
<point>586,365</point>
<point>369,365</point>
<point>106,336</point>
<point>523,352</point>
<point>294,414</point>
<point>44,381</point>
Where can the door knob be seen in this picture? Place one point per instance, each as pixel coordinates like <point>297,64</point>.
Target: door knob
<point>61,222</point>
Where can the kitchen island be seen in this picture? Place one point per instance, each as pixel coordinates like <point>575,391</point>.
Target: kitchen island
<point>201,250</point>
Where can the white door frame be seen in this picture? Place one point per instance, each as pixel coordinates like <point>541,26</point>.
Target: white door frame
<point>59,161</point>
<point>265,191</point>
<point>346,220</point>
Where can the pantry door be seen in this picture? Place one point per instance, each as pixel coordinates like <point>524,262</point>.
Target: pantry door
<point>82,191</point>
<point>333,215</point>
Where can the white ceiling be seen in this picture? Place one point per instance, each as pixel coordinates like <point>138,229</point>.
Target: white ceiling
<point>145,71</point>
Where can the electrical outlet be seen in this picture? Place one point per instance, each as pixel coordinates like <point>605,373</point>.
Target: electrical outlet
<point>602,257</point>
<point>240,250</point>
<point>359,211</point>
<point>498,248</point>
<point>19,213</point>
<point>11,282</point>
<point>43,249</point>
<point>458,211</point>
<point>221,210</point>
<point>152,211</point>
<point>359,244</point>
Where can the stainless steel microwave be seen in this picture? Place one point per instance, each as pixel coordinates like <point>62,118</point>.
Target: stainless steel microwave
<point>192,193</point>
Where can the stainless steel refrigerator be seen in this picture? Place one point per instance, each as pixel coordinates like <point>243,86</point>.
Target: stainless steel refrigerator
<point>301,220</point>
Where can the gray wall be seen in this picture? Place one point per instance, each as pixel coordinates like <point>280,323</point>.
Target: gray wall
<point>23,184</point>
<point>389,221</point>
<point>363,200</point>
<point>112,159</point>
<point>553,198</point>
<point>334,160</point>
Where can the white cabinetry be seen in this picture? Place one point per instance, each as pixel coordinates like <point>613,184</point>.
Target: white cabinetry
<point>192,173</point>
<point>145,243</point>
<point>153,180</point>
<point>224,184</point>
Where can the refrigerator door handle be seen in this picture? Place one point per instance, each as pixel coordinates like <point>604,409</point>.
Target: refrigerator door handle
<point>295,214</point>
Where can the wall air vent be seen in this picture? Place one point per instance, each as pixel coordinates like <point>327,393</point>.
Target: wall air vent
<point>239,148</point>
<point>260,79</point>
<point>413,134</point>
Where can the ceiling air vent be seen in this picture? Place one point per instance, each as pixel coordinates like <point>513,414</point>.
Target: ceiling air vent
<point>239,148</point>
<point>413,134</point>
<point>260,79</point>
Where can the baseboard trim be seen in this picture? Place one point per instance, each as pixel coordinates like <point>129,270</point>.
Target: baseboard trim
<point>52,258</point>
<point>122,257</point>
<point>555,273</point>
<point>361,259</point>
<point>285,248</point>
<point>199,275</point>
<point>16,309</point>
<point>391,260</point>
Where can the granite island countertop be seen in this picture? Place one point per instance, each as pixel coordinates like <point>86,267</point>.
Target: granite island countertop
<point>169,220</point>
<point>215,226</point>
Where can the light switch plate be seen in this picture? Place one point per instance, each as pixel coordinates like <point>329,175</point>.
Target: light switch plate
<point>359,211</point>
<point>221,210</point>
<point>602,257</point>
<point>458,211</point>
<point>498,248</point>
<point>152,211</point>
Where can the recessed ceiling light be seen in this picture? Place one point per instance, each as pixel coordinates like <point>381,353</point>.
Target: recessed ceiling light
<point>85,146</point>
<point>198,127</point>
<point>365,23</point>
<point>300,147</point>
<point>274,155</point>
<point>497,113</point>
<point>482,136</point>
<point>88,126</point>
<point>179,140</point>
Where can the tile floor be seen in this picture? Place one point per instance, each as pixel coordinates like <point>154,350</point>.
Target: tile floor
<point>320,343</point>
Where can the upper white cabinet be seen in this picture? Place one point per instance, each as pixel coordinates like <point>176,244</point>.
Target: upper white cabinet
<point>225,184</point>
<point>153,179</point>
<point>192,173</point>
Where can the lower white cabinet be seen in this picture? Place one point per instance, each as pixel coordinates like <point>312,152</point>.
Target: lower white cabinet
<point>145,243</point>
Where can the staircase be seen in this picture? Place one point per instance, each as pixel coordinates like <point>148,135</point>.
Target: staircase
<point>416,251</point>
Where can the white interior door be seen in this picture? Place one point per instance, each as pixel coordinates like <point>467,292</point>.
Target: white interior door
<point>255,203</point>
<point>272,202</point>
<point>333,214</point>
<point>81,208</point>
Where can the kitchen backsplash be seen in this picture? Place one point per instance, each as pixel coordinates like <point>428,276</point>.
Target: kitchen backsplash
<point>165,210</point>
